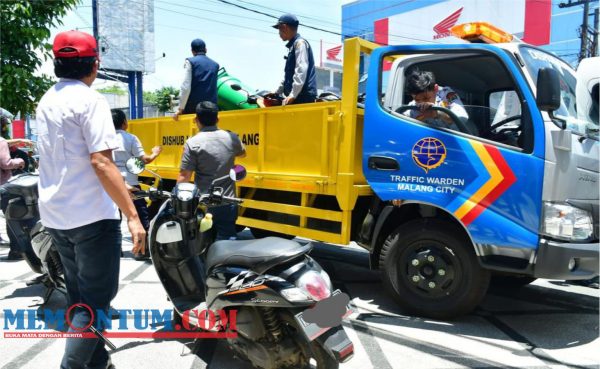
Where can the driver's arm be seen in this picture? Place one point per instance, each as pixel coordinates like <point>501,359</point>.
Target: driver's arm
<point>458,109</point>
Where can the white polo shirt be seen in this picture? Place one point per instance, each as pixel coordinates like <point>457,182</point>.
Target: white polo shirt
<point>73,121</point>
<point>129,146</point>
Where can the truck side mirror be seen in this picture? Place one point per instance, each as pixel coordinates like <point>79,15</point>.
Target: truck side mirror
<point>548,94</point>
<point>548,90</point>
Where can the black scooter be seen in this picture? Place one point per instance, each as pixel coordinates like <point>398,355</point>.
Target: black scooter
<point>281,294</point>
<point>39,251</point>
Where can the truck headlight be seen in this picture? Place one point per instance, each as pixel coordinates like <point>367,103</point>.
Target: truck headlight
<point>566,222</point>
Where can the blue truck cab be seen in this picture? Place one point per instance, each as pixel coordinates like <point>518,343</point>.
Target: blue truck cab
<point>511,191</point>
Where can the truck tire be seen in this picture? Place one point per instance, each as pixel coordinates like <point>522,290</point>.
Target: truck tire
<point>431,269</point>
<point>262,233</point>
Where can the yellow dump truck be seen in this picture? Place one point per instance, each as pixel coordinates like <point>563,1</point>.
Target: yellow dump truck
<point>508,188</point>
<point>304,161</point>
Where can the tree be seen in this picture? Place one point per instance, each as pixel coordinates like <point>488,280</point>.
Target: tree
<point>24,29</point>
<point>150,98</point>
<point>165,98</point>
<point>115,90</point>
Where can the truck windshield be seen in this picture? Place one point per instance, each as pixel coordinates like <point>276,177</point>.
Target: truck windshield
<point>535,60</point>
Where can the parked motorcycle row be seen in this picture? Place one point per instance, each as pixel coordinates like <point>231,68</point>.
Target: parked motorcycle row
<point>274,286</point>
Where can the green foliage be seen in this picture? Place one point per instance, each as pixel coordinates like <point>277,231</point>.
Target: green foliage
<point>115,90</point>
<point>150,98</point>
<point>165,98</point>
<point>24,29</point>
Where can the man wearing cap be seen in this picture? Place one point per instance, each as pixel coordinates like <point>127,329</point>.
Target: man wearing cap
<point>299,83</point>
<point>199,81</point>
<point>79,185</point>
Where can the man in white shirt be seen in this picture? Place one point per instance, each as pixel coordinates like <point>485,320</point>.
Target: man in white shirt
<point>79,185</point>
<point>299,83</point>
<point>426,94</point>
<point>129,146</point>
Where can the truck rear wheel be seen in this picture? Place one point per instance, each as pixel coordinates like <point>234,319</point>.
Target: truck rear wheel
<point>430,268</point>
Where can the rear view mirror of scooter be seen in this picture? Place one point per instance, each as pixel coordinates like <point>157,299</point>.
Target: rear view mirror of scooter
<point>137,166</point>
<point>237,173</point>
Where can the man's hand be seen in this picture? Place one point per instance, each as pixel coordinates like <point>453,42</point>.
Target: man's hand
<point>138,235</point>
<point>288,100</point>
<point>425,111</point>
<point>156,150</point>
<point>131,190</point>
<point>177,114</point>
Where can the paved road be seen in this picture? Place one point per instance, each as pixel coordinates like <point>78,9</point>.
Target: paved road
<point>548,324</point>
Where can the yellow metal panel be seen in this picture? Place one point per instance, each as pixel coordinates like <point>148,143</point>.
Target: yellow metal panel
<point>330,215</point>
<point>288,229</point>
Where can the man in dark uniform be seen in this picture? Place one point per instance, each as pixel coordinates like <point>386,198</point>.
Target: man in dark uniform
<point>200,80</point>
<point>299,84</point>
<point>210,154</point>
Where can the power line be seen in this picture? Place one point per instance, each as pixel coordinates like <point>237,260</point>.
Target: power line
<point>320,29</point>
<point>208,10</point>
<point>302,15</point>
<point>273,16</point>
<point>212,20</point>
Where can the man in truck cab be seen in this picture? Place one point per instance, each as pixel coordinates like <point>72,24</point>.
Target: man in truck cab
<point>426,93</point>
<point>299,83</point>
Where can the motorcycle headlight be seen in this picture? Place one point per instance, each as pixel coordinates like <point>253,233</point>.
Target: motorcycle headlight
<point>563,221</point>
<point>185,199</point>
<point>185,191</point>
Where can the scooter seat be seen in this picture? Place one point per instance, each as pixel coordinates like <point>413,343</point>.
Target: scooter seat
<point>257,255</point>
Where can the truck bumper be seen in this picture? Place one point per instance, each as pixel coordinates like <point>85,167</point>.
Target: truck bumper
<point>553,259</point>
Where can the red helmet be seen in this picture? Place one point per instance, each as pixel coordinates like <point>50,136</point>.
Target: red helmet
<point>272,100</point>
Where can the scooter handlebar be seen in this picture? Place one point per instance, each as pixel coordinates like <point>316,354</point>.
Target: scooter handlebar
<point>218,199</point>
<point>152,194</point>
<point>233,200</point>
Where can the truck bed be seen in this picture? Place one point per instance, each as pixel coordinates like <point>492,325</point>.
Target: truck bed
<point>304,161</point>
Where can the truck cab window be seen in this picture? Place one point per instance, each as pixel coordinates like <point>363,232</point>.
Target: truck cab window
<point>472,93</point>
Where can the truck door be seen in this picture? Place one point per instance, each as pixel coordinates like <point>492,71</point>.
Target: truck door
<point>484,169</point>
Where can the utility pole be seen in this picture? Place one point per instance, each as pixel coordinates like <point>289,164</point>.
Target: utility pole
<point>595,48</point>
<point>585,50</point>
<point>584,31</point>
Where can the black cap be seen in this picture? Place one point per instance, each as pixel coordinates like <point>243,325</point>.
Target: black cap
<point>287,19</point>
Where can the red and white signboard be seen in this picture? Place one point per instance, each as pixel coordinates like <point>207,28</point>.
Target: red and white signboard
<point>527,19</point>
<point>332,56</point>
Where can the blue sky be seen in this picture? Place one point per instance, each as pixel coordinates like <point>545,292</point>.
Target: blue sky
<point>241,41</point>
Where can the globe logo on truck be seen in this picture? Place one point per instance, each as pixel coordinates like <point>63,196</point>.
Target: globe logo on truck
<point>429,153</point>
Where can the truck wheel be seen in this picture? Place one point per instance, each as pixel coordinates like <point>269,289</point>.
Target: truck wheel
<point>430,268</point>
<point>262,233</point>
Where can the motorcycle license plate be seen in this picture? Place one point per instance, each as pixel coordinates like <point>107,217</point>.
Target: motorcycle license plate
<point>313,330</point>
